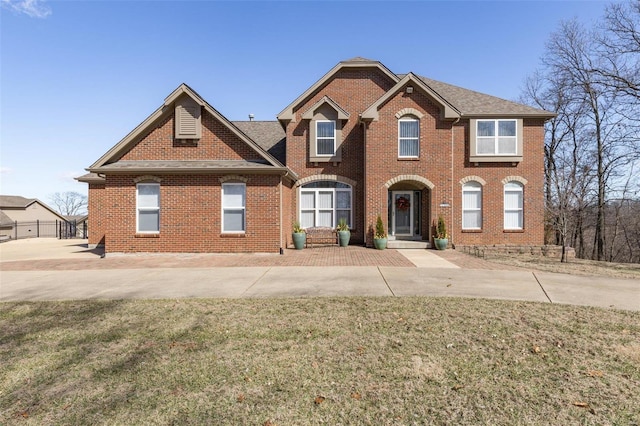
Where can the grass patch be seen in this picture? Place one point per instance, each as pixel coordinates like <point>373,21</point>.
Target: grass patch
<point>324,360</point>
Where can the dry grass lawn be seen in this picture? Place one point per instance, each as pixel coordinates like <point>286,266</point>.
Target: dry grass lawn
<point>573,266</point>
<point>378,361</point>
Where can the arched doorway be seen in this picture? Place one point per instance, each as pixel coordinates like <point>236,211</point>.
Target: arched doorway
<point>409,210</point>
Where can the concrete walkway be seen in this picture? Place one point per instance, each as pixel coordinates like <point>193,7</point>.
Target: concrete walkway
<point>438,278</point>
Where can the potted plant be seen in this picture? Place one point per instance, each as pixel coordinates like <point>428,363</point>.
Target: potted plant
<point>344,235</point>
<point>441,238</point>
<point>299,236</point>
<point>380,236</point>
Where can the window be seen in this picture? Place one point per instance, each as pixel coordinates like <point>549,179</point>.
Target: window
<point>472,205</point>
<point>325,137</point>
<point>513,202</point>
<point>148,208</point>
<point>324,203</point>
<point>408,138</point>
<point>496,137</point>
<point>233,207</point>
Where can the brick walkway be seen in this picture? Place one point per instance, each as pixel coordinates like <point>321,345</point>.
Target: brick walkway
<point>317,256</point>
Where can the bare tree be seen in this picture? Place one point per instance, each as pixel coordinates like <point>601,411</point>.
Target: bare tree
<point>69,203</point>
<point>590,78</point>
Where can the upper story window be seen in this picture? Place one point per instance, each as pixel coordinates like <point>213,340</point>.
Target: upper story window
<point>496,137</point>
<point>326,137</point>
<point>496,140</point>
<point>233,207</point>
<point>408,137</point>
<point>148,208</point>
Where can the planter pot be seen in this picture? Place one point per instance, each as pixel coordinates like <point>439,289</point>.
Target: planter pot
<point>380,243</point>
<point>344,237</point>
<point>441,243</point>
<point>299,239</point>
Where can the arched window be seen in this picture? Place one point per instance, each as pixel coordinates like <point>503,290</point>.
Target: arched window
<point>472,205</point>
<point>408,137</point>
<point>513,205</point>
<point>324,203</point>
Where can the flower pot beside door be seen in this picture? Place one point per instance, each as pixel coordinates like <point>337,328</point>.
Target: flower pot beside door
<point>299,236</point>
<point>380,236</point>
<point>344,234</point>
<point>441,239</point>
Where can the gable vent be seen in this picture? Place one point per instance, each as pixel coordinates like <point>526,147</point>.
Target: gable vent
<point>188,125</point>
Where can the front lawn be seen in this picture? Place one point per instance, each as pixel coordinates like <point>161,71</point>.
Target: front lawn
<point>378,361</point>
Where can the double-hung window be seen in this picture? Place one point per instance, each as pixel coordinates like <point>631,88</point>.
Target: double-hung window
<point>324,204</point>
<point>496,137</point>
<point>408,138</point>
<point>472,205</point>
<point>326,137</point>
<point>233,207</point>
<point>513,205</point>
<point>148,208</point>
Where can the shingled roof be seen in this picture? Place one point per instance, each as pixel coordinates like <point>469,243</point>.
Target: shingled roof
<point>15,202</point>
<point>471,103</point>
<point>268,134</point>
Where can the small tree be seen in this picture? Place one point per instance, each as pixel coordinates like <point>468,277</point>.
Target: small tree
<point>380,233</point>
<point>441,229</point>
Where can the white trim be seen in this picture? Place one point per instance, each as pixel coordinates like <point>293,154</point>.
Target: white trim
<point>416,139</point>
<point>139,209</point>
<point>234,208</point>
<point>470,187</point>
<point>325,138</point>
<point>394,212</point>
<point>496,137</point>
<point>520,190</point>
<point>334,208</point>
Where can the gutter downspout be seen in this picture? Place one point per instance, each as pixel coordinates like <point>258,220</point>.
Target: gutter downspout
<point>452,197</point>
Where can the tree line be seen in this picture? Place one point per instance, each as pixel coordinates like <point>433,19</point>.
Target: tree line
<point>590,77</point>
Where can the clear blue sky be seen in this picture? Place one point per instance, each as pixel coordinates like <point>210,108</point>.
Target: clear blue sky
<point>77,76</point>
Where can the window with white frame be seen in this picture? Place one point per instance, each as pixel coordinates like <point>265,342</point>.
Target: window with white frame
<point>325,137</point>
<point>324,203</point>
<point>472,205</point>
<point>513,205</point>
<point>148,208</point>
<point>496,137</point>
<point>233,207</point>
<point>408,137</point>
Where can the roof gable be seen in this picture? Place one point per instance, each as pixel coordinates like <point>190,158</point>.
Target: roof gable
<point>288,115</point>
<point>448,111</point>
<point>129,141</point>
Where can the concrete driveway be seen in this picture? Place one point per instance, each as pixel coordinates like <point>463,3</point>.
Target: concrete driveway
<point>432,279</point>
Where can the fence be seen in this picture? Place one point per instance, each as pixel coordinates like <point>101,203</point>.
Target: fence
<point>61,229</point>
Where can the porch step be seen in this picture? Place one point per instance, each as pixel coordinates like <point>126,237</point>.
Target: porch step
<point>405,244</point>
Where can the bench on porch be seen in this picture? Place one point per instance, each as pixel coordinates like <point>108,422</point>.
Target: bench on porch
<point>321,234</point>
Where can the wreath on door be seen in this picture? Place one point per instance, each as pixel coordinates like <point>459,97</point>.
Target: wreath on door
<point>403,203</point>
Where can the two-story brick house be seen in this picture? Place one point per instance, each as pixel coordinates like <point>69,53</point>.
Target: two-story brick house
<point>360,142</point>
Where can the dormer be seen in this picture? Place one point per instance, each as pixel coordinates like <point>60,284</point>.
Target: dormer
<point>326,119</point>
<point>188,121</point>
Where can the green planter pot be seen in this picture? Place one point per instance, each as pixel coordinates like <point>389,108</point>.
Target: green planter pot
<point>299,239</point>
<point>441,243</point>
<point>344,237</point>
<point>380,243</point>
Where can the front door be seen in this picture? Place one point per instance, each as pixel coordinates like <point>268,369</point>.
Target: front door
<point>402,213</point>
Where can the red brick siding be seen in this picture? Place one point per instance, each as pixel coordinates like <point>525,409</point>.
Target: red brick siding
<point>98,214</point>
<point>190,216</point>
<point>217,143</point>
<point>354,90</point>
